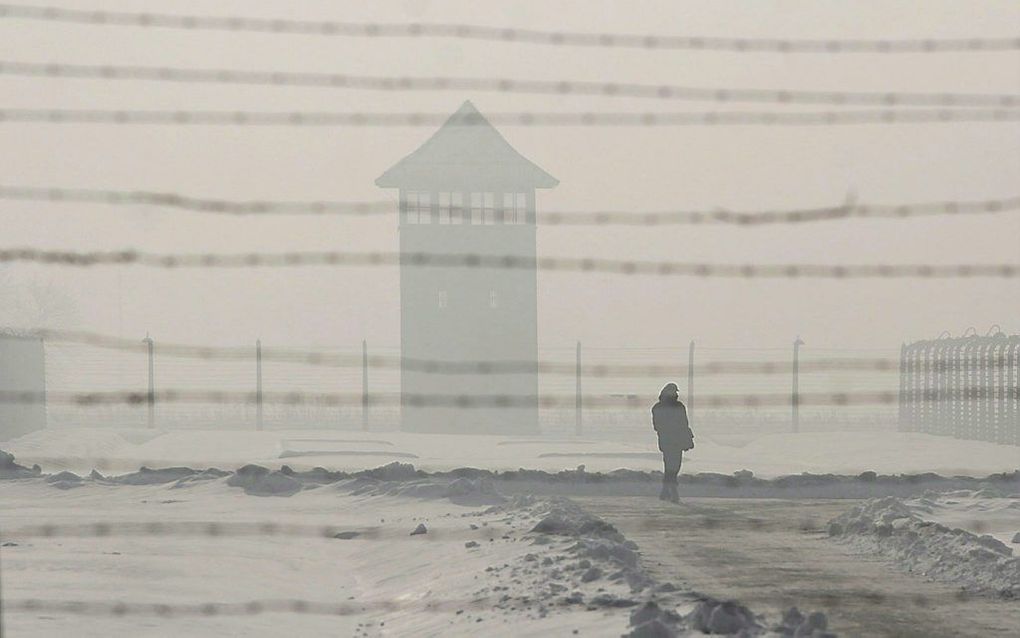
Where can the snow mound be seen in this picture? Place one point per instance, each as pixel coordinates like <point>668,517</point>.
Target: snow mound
<point>728,618</point>
<point>460,491</point>
<point>260,481</point>
<point>651,621</point>
<point>723,617</point>
<point>392,472</point>
<point>892,528</point>
<point>797,625</point>
<point>64,480</point>
<point>599,547</point>
<point>161,476</point>
<point>563,517</point>
<point>402,479</point>
<point>11,470</point>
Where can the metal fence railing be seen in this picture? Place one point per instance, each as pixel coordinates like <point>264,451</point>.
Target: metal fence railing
<point>963,387</point>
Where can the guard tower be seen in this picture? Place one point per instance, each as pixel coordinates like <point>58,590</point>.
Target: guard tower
<point>467,191</point>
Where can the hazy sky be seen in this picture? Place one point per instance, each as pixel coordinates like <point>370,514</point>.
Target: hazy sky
<point>738,168</point>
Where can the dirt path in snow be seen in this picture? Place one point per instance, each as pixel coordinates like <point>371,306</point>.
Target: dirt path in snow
<point>772,554</point>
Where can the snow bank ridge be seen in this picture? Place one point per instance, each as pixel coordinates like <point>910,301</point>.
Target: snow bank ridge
<point>887,525</point>
<point>11,470</point>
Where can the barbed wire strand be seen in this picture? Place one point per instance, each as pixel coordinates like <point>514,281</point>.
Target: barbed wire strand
<point>438,366</point>
<point>507,262</point>
<point>456,401</point>
<point>250,608</point>
<point>550,218</point>
<point>565,119</point>
<point>346,81</point>
<point>219,529</point>
<point>122,609</point>
<point>414,30</point>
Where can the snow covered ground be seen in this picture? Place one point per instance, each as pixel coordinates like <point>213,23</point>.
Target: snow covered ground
<point>988,511</point>
<point>766,455</point>
<point>319,552</point>
<point>386,552</point>
<point>474,571</point>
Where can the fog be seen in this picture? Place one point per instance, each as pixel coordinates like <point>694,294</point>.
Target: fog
<point>627,168</point>
<point>771,425</point>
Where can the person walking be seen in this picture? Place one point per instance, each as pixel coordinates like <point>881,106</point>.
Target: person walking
<point>669,418</point>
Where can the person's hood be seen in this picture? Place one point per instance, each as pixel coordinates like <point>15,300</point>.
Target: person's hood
<point>669,393</point>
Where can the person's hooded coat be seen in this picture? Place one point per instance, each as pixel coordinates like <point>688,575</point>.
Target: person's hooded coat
<point>669,418</point>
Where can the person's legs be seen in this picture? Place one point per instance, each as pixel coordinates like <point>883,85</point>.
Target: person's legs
<point>674,474</point>
<point>671,468</point>
<point>664,493</point>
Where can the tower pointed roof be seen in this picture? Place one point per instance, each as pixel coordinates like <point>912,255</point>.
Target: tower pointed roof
<point>466,152</point>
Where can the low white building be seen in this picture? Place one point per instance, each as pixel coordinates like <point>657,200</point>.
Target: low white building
<point>22,370</point>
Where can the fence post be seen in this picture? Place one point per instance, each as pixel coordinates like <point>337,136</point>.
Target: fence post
<point>795,396</point>
<point>985,393</point>
<point>941,387</point>
<point>926,392</point>
<point>364,385</point>
<point>1,598</point>
<point>955,397</point>
<point>1013,393</point>
<point>999,390</point>
<point>902,426</point>
<point>150,398</point>
<point>258,384</point>
<point>578,425</point>
<point>690,384</point>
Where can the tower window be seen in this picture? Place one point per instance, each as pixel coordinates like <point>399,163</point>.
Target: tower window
<point>515,208</point>
<point>489,210</point>
<point>443,299</point>
<point>493,299</point>
<point>451,208</point>
<point>419,207</point>
<point>483,208</point>
<point>476,208</point>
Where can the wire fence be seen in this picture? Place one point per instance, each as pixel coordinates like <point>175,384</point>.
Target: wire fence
<point>549,218</point>
<point>508,262</point>
<point>89,383</point>
<point>182,117</point>
<point>97,380</point>
<point>178,75</point>
<point>416,30</point>
<point>838,361</point>
<point>965,387</point>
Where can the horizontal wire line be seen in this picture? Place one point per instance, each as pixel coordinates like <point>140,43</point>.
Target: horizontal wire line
<point>437,366</point>
<point>454,401</point>
<point>217,529</point>
<point>349,608</point>
<point>508,262</point>
<point>550,218</point>
<point>500,85</point>
<point>236,23</point>
<point>566,119</point>
<point>249,608</point>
